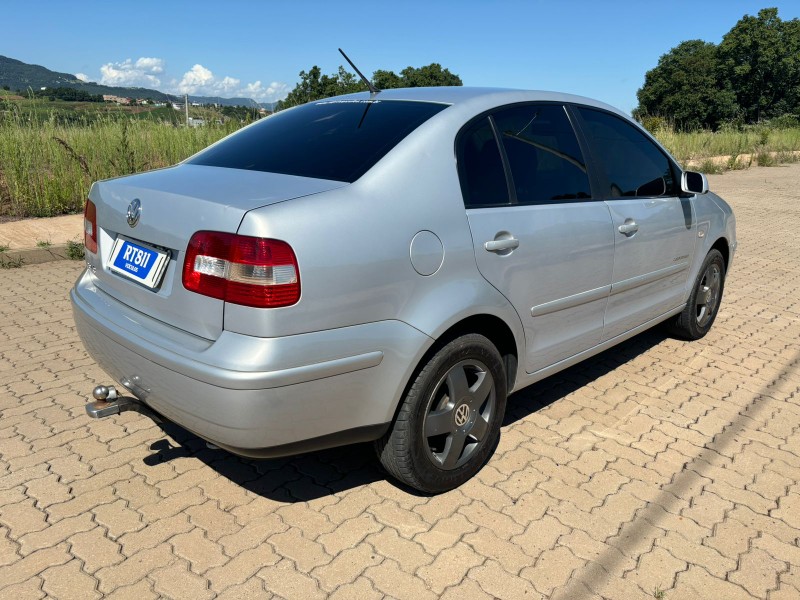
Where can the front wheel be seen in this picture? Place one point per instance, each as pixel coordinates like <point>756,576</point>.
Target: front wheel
<point>696,319</point>
<point>449,419</point>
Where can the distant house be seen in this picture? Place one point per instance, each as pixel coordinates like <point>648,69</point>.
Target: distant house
<point>117,99</point>
<point>196,122</point>
<point>177,106</point>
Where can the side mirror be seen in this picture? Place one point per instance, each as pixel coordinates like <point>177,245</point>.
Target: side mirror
<point>694,183</point>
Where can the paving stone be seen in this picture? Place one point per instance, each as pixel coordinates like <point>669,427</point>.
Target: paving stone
<point>758,572</point>
<point>54,534</point>
<point>656,570</point>
<point>152,535</point>
<point>68,581</point>
<point>708,586</point>
<point>391,580</point>
<point>201,553</point>
<point>349,534</point>
<point>33,564</point>
<point>346,566</point>
<point>306,554</point>
<point>241,567</point>
<point>552,569</point>
<point>444,534</point>
<point>488,544</point>
<point>95,549</point>
<point>361,588</point>
<point>708,559</point>
<point>410,555</point>
<point>253,588</point>
<point>133,569</point>
<point>731,538</point>
<point>176,581</point>
<point>495,581</point>
<point>449,567</point>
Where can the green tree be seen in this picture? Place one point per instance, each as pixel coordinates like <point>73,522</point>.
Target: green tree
<point>314,85</point>
<point>386,80</point>
<point>686,89</point>
<point>760,57</point>
<point>429,76</point>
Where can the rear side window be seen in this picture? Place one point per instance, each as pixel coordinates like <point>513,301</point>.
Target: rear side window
<point>330,139</point>
<point>545,159</point>
<point>483,180</point>
<point>633,164</point>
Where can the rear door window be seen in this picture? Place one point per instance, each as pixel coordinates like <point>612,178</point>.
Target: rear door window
<point>543,153</point>
<point>330,139</point>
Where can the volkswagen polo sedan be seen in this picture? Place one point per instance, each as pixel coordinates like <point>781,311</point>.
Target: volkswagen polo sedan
<point>388,267</point>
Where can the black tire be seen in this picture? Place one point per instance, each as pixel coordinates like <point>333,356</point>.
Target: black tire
<point>437,442</point>
<point>697,318</point>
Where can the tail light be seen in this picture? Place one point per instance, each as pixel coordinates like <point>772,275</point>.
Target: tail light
<point>90,227</point>
<point>251,271</point>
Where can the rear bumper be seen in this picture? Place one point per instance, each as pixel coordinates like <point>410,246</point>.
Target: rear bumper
<point>247,394</point>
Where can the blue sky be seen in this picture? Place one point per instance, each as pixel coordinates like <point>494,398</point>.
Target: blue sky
<point>599,48</point>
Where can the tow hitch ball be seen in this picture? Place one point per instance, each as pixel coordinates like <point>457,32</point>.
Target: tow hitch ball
<point>107,402</point>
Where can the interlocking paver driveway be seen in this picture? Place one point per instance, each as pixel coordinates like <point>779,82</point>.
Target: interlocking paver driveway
<point>657,466</point>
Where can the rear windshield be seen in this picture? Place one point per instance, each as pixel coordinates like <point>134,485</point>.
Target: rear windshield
<point>329,139</point>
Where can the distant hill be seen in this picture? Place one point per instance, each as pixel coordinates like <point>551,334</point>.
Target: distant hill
<point>18,75</point>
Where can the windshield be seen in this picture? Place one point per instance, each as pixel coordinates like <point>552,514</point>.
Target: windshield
<point>329,139</point>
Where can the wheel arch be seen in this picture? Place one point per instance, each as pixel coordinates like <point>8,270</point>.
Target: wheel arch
<point>492,327</point>
<point>724,248</point>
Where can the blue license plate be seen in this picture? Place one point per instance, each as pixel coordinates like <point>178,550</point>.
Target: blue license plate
<point>138,261</point>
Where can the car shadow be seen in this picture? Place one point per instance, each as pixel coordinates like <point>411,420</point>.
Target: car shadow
<point>305,477</point>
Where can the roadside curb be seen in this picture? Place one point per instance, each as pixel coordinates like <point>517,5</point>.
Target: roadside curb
<point>33,256</point>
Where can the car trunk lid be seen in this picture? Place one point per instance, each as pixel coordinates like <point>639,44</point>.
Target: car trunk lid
<point>173,204</point>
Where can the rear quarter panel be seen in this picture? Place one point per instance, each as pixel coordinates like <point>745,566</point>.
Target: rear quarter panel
<point>353,247</point>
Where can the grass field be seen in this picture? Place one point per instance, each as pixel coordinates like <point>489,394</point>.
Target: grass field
<point>731,149</point>
<point>49,154</point>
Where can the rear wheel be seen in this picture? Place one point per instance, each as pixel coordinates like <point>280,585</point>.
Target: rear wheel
<point>697,318</point>
<point>449,420</point>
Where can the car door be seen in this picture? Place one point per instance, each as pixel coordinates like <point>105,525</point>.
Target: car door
<point>539,236</point>
<point>654,230</point>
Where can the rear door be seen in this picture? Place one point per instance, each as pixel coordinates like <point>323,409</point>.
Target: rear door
<point>539,236</point>
<point>654,230</point>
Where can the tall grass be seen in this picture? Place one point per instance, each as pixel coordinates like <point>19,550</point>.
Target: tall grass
<point>47,163</point>
<point>46,167</point>
<point>733,148</point>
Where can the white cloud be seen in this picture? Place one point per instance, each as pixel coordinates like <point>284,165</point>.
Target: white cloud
<point>274,91</point>
<point>151,65</point>
<point>198,77</point>
<point>201,81</point>
<point>197,81</point>
<point>82,76</point>
<point>143,73</point>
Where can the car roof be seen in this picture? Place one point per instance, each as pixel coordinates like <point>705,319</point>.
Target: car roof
<point>477,96</point>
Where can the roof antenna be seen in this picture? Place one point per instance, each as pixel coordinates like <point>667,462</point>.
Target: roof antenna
<point>371,87</point>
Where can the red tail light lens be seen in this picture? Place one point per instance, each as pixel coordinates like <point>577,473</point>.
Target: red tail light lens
<point>90,227</point>
<point>251,271</point>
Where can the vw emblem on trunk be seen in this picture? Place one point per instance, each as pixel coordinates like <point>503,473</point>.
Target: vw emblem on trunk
<point>134,212</point>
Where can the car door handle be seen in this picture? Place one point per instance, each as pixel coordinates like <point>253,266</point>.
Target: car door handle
<point>500,245</point>
<point>629,227</point>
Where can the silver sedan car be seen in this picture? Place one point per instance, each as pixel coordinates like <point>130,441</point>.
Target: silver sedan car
<point>389,267</point>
